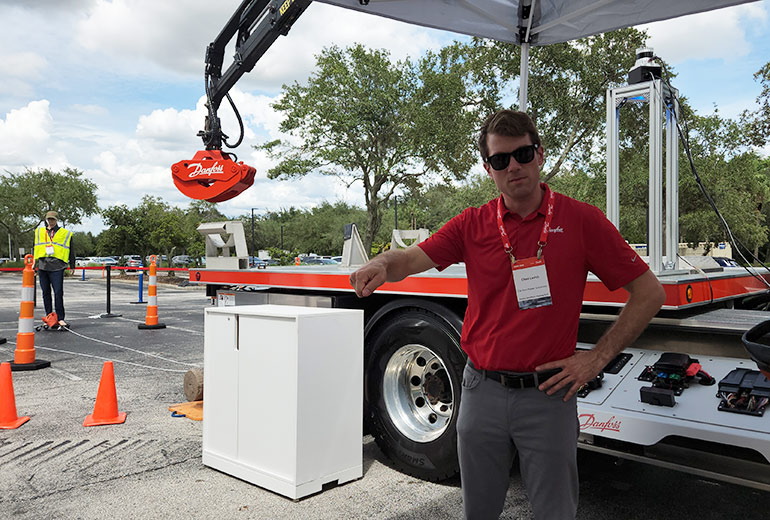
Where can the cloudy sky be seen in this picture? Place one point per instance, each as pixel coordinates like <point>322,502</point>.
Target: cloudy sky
<point>114,88</point>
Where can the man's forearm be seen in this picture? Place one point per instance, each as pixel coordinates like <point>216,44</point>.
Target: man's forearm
<point>390,266</point>
<point>396,263</point>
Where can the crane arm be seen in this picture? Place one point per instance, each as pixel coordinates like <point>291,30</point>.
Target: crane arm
<point>212,175</point>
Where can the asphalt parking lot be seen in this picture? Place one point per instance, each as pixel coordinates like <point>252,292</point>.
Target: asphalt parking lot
<point>150,466</point>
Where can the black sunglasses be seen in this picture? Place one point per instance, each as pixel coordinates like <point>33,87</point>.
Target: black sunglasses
<point>523,155</point>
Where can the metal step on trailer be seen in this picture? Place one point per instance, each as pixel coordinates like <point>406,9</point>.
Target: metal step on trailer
<point>691,436</point>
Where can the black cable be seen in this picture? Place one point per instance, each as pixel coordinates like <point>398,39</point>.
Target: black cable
<point>212,113</point>
<point>240,123</point>
<point>686,144</point>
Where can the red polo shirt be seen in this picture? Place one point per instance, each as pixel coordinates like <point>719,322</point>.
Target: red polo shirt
<point>496,334</point>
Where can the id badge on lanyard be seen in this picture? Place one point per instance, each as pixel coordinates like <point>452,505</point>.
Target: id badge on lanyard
<point>531,282</point>
<point>530,277</point>
<point>49,250</point>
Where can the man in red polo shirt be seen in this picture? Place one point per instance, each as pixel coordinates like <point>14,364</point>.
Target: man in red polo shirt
<point>527,254</point>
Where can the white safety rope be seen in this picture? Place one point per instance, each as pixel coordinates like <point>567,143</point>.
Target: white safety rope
<point>130,349</point>
<point>106,359</point>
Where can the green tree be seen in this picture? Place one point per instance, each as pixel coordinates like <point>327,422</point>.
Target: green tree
<point>567,88</point>
<point>83,244</point>
<point>152,227</point>
<point>364,119</point>
<point>29,195</point>
<point>759,120</point>
<point>123,237</point>
<point>734,176</point>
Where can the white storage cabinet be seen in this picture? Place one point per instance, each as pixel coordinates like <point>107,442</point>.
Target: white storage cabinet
<point>283,395</point>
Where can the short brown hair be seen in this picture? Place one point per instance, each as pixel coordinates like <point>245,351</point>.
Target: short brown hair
<point>509,123</point>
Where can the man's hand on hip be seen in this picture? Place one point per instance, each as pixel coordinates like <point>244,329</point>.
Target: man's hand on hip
<point>576,370</point>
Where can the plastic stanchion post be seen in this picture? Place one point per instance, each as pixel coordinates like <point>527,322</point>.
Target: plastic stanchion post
<point>108,314</point>
<point>141,289</point>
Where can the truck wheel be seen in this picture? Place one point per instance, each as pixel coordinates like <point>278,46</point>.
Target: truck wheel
<point>413,392</point>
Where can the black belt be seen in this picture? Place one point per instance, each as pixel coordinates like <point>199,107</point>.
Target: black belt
<point>528,380</point>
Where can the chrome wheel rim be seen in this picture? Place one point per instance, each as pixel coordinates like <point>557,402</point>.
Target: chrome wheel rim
<point>418,393</point>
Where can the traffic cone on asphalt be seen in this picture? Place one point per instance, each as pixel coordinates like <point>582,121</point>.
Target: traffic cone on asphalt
<point>151,320</point>
<point>8,418</point>
<point>24,356</point>
<point>106,407</point>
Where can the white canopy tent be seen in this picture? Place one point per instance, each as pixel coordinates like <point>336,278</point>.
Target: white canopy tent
<point>532,22</point>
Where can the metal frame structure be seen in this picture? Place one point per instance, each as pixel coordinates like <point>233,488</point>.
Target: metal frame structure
<point>661,100</point>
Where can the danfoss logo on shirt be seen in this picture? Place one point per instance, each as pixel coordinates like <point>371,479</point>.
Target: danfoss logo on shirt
<point>557,229</point>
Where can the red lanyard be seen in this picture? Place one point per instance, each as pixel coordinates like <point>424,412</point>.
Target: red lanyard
<point>543,233</point>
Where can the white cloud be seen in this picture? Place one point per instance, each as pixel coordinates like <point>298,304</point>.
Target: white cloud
<point>93,110</point>
<point>174,36</point>
<point>129,167</point>
<point>19,72</point>
<point>170,125</point>
<point>25,133</point>
<point>719,34</point>
<point>48,6</point>
<point>28,65</point>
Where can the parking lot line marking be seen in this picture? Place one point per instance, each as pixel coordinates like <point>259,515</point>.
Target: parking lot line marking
<point>113,360</point>
<point>196,332</point>
<point>71,377</point>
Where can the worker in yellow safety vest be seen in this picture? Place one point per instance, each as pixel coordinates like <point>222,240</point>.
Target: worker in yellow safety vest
<point>53,255</point>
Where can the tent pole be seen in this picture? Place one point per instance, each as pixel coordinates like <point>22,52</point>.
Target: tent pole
<point>524,77</point>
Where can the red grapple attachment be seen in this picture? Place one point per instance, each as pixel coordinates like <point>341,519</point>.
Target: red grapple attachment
<point>212,176</point>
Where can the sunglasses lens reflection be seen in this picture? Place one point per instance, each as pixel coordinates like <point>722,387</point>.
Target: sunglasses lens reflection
<point>523,155</point>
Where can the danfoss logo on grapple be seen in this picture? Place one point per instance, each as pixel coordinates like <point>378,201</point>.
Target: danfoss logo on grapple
<point>198,170</point>
<point>588,422</point>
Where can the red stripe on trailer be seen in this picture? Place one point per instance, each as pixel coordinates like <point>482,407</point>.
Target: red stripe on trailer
<point>414,284</point>
<point>595,292</point>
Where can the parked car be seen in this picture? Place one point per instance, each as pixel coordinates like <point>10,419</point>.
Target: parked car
<point>90,260</point>
<point>182,260</point>
<point>337,259</point>
<point>317,260</point>
<point>257,262</point>
<point>133,260</point>
<point>106,260</point>
<point>160,259</point>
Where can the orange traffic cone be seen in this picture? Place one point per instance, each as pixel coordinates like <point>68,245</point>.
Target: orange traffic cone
<point>151,320</point>
<point>24,356</point>
<point>8,418</point>
<point>106,407</point>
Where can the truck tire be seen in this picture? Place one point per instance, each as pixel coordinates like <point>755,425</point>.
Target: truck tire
<point>414,375</point>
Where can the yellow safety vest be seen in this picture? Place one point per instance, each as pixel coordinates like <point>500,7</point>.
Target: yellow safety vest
<point>60,244</point>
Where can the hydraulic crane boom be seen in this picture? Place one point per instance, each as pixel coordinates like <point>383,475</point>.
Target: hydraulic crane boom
<point>212,174</point>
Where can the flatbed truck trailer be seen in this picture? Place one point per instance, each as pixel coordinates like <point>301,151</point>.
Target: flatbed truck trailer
<point>648,406</point>
<point>413,365</point>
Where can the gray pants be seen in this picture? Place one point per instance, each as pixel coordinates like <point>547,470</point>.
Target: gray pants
<point>494,423</point>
